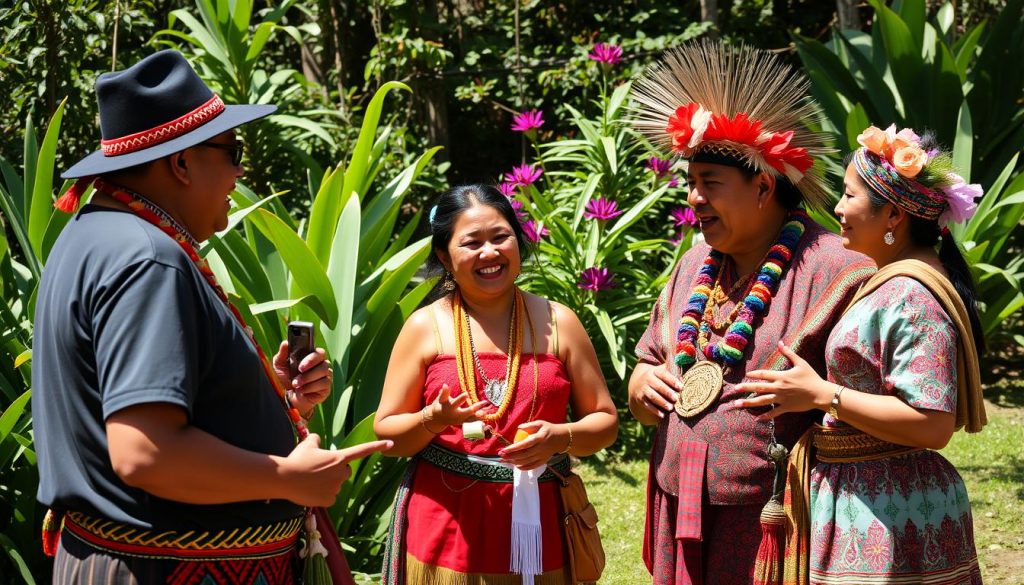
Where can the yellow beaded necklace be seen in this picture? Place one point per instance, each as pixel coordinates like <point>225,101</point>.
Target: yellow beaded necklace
<point>466,359</point>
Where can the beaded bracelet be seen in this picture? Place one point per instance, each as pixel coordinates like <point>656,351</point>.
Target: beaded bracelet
<point>568,427</point>
<point>424,419</point>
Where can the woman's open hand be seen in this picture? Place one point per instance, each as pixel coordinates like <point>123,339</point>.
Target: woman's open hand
<point>797,389</point>
<point>448,410</point>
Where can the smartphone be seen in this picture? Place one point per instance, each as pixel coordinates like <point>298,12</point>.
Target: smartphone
<point>300,344</point>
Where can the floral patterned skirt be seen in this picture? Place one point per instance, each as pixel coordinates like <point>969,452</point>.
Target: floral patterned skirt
<point>899,520</point>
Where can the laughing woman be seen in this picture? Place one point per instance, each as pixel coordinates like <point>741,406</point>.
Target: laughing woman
<point>885,507</point>
<point>470,376</point>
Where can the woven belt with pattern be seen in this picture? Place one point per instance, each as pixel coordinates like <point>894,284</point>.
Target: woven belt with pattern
<point>489,469</point>
<point>261,541</point>
<point>849,445</point>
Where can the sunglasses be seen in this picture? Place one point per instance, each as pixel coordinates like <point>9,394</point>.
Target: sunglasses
<point>236,150</point>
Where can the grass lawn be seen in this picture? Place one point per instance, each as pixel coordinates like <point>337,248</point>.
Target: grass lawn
<point>991,463</point>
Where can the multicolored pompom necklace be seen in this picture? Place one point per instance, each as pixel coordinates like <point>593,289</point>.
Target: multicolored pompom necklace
<point>703,380</point>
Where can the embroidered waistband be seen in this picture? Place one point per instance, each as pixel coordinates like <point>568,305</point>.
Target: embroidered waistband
<point>266,540</point>
<point>849,445</point>
<point>489,469</point>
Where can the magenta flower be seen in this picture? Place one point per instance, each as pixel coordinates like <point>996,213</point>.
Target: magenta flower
<point>508,189</point>
<point>606,53</point>
<point>596,279</point>
<point>659,167</point>
<point>527,121</point>
<point>524,175</point>
<point>517,206</point>
<point>602,209</point>
<point>530,230</point>
<point>673,182</point>
<point>684,216</point>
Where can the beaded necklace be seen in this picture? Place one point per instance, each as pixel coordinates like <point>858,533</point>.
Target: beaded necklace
<point>694,329</point>
<point>147,210</point>
<point>465,355</point>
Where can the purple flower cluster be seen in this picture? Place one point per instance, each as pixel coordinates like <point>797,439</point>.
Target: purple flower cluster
<point>527,121</point>
<point>596,279</point>
<point>602,209</point>
<point>606,53</point>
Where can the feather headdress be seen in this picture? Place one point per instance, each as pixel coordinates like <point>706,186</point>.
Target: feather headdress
<point>715,102</point>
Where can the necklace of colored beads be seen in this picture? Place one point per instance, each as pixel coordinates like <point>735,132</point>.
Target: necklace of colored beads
<point>694,330</point>
<point>466,356</point>
<point>152,213</point>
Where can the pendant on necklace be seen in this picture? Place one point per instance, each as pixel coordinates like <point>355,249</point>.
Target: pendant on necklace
<point>494,391</point>
<point>702,384</point>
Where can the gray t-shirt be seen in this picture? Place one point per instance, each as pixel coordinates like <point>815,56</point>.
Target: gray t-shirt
<point>124,317</point>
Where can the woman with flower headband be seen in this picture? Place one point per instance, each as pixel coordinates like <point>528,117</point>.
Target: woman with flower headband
<point>902,377</point>
<point>476,391</point>
<point>766,272</point>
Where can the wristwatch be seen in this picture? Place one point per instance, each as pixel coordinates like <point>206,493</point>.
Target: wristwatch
<point>833,409</point>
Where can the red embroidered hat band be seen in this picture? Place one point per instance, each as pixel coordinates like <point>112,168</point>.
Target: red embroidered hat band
<point>164,132</point>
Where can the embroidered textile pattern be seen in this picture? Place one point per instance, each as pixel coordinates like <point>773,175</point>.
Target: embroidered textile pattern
<point>173,129</point>
<point>250,542</point>
<point>694,328</point>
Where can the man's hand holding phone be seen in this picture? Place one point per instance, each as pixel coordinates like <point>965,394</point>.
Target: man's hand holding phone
<point>303,370</point>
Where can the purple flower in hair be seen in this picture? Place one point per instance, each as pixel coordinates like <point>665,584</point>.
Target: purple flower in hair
<point>602,209</point>
<point>960,199</point>
<point>606,53</point>
<point>524,175</point>
<point>596,279</point>
<point>508,189</point>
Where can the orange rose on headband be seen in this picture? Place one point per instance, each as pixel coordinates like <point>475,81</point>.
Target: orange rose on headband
<point>873,139</point>
<point>909,160</point>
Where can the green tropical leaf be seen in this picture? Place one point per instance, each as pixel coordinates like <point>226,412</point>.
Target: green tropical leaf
<point>42,191</point>
<point>307,272</point>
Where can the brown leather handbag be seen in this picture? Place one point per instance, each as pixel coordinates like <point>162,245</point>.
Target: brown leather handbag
<point>586,555</point>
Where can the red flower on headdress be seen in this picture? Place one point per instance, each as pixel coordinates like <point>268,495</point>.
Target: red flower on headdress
<point>778,153</point>
<point>687,126</point>
<point>740,129</point>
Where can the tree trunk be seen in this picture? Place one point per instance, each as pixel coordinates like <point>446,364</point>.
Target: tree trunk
<point>709,13</point>
<point>432,105</point>
<point>848,16</point>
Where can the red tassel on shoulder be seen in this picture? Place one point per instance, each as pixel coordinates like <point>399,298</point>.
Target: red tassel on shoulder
<point>52,524</point>
<point>69,201</point>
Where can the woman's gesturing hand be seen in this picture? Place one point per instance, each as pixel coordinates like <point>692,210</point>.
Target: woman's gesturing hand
<point>797,389</point>
<point>448,410</point>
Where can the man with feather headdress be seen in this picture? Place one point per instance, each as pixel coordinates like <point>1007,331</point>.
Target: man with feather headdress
<point>766,273</point>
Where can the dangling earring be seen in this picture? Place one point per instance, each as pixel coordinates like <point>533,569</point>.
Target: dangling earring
<point>888,238</point>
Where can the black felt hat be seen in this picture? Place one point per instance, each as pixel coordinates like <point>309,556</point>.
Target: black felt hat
<point>154,108</point>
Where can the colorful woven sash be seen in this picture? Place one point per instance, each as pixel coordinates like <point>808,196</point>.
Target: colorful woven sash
<point>849,445</point>
<point>268,540</point>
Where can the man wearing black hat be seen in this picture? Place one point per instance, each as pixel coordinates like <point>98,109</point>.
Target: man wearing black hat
<point>166,453</point>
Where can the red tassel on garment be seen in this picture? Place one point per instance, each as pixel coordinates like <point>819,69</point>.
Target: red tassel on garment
<point>770,554</point>
<point>69,201</point>
<point>768,563</point>
<point>52,524</point>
